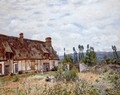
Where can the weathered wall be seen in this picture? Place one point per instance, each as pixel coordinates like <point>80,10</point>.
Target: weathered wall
<point>27,65</point>
<point>2,73</point>
<point>24,65</point>
<point>51,62</point>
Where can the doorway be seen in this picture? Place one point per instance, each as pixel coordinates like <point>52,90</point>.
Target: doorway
<point>46,66</point>
<point>16,68</point>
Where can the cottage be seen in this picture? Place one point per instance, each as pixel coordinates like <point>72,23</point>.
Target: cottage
<point>20,54</point>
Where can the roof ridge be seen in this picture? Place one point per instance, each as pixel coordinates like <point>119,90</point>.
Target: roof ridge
<point>18,37</point>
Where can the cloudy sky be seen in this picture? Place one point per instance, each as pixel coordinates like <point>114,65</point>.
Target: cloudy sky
<point>68,22</point>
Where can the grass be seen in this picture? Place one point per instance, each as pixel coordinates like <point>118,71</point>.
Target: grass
<point>50,73</point>
<point>6,79</point>
<point>88,84</point>
<point>89,77</point>
<point>10,85</point>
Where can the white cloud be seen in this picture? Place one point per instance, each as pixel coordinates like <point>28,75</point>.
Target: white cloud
<point>68,22</point>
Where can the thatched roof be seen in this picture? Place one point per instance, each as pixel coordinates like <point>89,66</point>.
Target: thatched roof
<point>29,49</point>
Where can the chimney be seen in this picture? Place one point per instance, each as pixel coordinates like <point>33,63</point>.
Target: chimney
<point>21,38</point>
<point>48,41</point>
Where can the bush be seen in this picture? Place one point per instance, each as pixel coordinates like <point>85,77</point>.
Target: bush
<point>100,69</point>
<point>74,72</point>
<point>15,79</point>
<point>85,88</point>
<point>90,59</point>
<point>79,88</point>
<point>47,79</point>
<point>108,84</point>
<point>115,61</point>
<point>20,72</point>
<point>11,74</point>
<point>64,74</point>
<point>54,68</point>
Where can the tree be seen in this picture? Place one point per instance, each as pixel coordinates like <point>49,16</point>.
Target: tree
<point>90,58</point>
<point>67,59</point>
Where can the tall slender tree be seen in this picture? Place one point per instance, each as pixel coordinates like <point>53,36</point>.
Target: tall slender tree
<point>75,59</point>
<point>115,55</point>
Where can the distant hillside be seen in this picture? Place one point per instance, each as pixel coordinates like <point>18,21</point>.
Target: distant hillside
<point>100,55</point>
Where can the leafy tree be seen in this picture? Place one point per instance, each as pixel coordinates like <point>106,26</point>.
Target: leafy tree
<point>67,59</point>
<point>90,58</point>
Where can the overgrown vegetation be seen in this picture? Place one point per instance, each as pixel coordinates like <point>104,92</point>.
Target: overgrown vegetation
<point>64,74</point>
<point>106,85</point>
<point>100,69</point>
<point>15,78</point>
<point>67,59</point>
<point>90,58</point>
<point>68,83</point>
<point>112,61</point>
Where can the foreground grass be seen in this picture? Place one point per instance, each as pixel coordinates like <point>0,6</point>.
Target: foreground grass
<point>89,77</point>
<point>12,85</point>
<point>7,79</point>
<point>89,83</point>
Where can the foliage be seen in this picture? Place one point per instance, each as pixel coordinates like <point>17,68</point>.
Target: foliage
<point>112,60</point>
<point>67,59</point>
<point>85,88</point>
<point>90,59</point>
<point>64,74</point>
<point>6,79</point>
<point>54,68</point>
<point>47,79</point>
<point>80,87</point>
<point>100,69</point>
<point>108,84</point>
<point>20,72</point>
<point>74,72</point>
<point>107,60</point>
<point>16,78</point>
<point>115,61</point>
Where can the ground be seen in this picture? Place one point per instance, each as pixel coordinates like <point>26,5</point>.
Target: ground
<point>89,77</point>
<point>11,84</point>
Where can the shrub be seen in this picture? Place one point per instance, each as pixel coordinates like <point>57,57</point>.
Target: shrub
<point>20,72</point>
<point>47,79</point>
<point>79,88</point>
<point>74,72</point>
<point>67,59</point>
<point>11,74</point>
<point>82,87</point>
<point>64,74</point>
<point>90,58</point>
<point>100,69</point>
<point>54,68</point>
<point>108,84</point>
<point>115,61</point>
<point>15,79</point>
